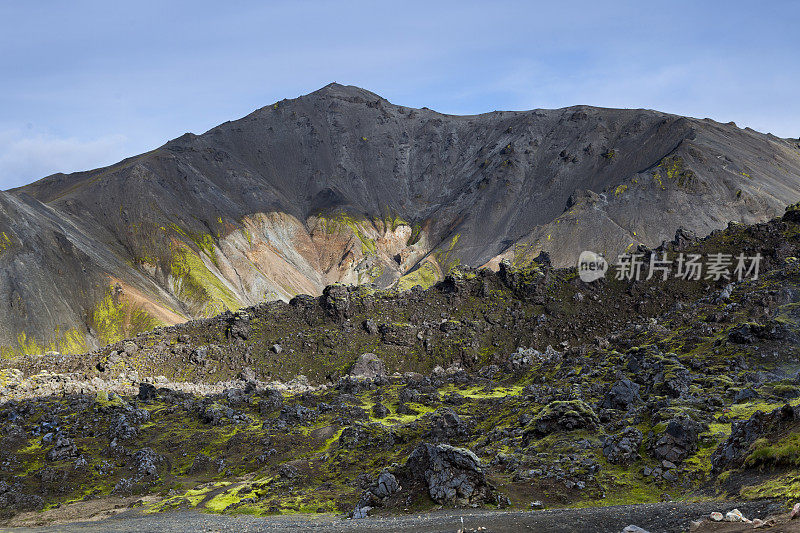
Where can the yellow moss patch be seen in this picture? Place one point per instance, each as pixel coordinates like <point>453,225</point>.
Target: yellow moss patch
<point>786,487</point>
<point>114,319</point>
<point>5,242</point>
<point>197,284</point>
<point>71,342</point>
<point>426,276</point>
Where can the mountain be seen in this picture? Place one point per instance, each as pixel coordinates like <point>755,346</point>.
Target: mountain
<point>488,389</point>
<point>342,186</point>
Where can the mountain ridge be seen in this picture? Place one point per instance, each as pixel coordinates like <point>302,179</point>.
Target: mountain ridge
<point>340,185</point>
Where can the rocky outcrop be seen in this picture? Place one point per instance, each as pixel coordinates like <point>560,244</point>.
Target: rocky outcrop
<point>368,366</point>
<point>452,475</point>
<point>623,395</point>
<point>623,448</point>
<point>561,415</point>
<point>385,485</point>
<point>733,451</point>
<point>678,441</point>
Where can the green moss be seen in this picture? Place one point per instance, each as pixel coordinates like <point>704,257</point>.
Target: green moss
<point>342,220</point>
<point>425,276</point>
<point>675,171</point>
<point>481,393</point>
<point>70,342</point>
<point>198,285</point>
<point>5,242</point>
<point>416,233</point>
<point>222,501</point>
<point>786,452</point>
<point>785,487</point>
<point>621,486</point>
<point>191,498</point>
<point>114,319</point>
<point>745,410</point>
<point>444,256</point>
<point>205,243</point>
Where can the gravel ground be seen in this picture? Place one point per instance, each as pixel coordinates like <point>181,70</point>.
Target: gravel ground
<point>657,517</point>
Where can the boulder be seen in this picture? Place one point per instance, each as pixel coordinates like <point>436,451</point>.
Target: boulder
<point>385,486</point>
<point>370,326</point>
<point>446,425</point>
<point>623,395</point>
<point>678,441</point>
<point>336,301</point>
<point>633,529</point>
<point>674,381</point>
<point>147,463</point>
<point>380,411</point>
<point>623,448</point>
<point>63,448</point>
<point>147,392</point>
<point>451,475</point>
<point>561,415</point>
<point>382,488</point>
<point>369,366</point>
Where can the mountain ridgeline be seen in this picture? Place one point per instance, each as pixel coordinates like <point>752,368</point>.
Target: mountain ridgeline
<point>342,186</point>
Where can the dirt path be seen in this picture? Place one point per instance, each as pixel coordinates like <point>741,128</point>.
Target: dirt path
<point>658,517</point>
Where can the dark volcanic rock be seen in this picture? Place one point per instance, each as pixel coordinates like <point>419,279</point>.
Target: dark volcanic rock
<point>451,475</point>
<point>368,365</point>
<point>446,425</point>
<point>623,448</point>
<point>733,451</point>
<point>561,415</point>
<point>678,440</point>
<point>623,395</point>
<point>63,448</point>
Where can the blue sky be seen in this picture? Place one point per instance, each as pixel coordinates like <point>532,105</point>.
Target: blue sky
<point>86,84</point>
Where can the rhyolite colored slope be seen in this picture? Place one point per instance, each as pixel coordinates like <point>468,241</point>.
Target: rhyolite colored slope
<point>342,186</point>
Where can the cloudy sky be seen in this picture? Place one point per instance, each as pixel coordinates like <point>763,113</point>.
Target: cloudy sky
<point>85,84</point>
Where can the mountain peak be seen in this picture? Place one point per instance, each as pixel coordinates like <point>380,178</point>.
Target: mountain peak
<point>337,90</point>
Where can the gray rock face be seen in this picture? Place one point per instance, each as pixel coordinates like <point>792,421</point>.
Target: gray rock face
<point>368,365</point>
<point>446,425</point>
<point>496,180</point>
<point>452,475</point>
<point>678,441</point>
<point>386,485</point>
<point>147,464</point>
<point>561,416</point>
<point>126,425</point>
<point>734,449</point>
<point>623,395</point>
<point>63,448</point>
<point>623,448</point>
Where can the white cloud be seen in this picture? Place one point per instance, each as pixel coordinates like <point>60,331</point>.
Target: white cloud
<point>26,157</point>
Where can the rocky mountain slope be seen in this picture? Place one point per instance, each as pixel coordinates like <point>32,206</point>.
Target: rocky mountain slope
<point>517,388</point>
<point>342,186</point>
